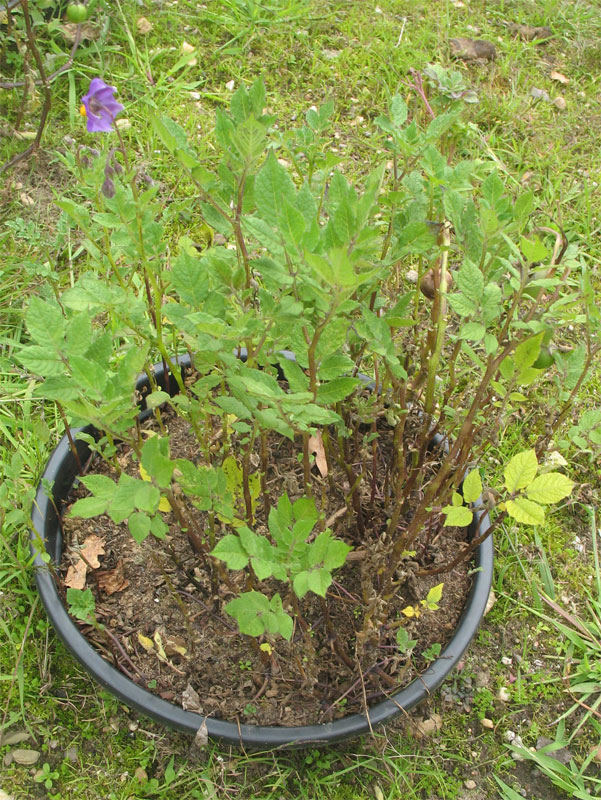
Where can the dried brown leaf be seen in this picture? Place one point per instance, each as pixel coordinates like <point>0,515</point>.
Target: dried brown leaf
<point>202,735</point>
<point>143,25</point>
<point>76,575</point>
<point>92,547</point>
<point>316,446</point>
<point>191,700</point>
<point>559,76</point>
<point>112,580</point>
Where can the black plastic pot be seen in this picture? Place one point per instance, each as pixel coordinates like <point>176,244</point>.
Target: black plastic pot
<point>61,472</point>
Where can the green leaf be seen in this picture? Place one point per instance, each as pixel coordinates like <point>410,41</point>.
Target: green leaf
<point>158,528</point>
<point>81,603</point>
<point>230,550</point>
<point>527,352</point>
<point>155,460</point>
<point>273,186</point>
<point>333,366</point>
<point>297,380</point>
<point>470,281</point>
<point>461,305</point>
<point>459,516</point>
<point>123,501</point>
<point>525,511</point>
<point>534,250</point>
<point>89,507</point>
<point>232,405</point>
<point>41,361</point>
<point>550,487</point>
<point>336,390</point>
<point>100,485</point>
<point>521,470</point>
<point>189,279</point>
<point>398,111</point>
<point>156,399</point>
<point>45,321</point>
<point>404,641</point>
<point>472,486</point>
<point>292,225</point>
<point>147,497</point>
<point>139,526</point>
<point>473,331</point>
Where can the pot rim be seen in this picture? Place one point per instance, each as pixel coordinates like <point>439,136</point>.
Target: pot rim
<point>60,472</point>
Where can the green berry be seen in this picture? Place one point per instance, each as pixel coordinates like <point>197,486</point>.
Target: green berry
<point>77,12</point>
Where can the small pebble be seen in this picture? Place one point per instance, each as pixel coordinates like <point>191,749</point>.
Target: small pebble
<point>509,736</point>
<point>71,754</point>
<point>487,723</point>
<point>470,784</point>
<point>503,694</point>
<point>507,661</point>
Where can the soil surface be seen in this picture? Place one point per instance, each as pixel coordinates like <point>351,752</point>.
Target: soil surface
<point>166,628</point>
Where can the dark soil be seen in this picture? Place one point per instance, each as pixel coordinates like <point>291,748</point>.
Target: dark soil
<point>158,596</point>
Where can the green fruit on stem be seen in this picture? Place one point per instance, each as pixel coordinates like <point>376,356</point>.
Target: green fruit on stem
<point>77,13</point>
<point>545,359</point>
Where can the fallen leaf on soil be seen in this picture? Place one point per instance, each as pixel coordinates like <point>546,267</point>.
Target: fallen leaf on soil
<point>202,736</point>
<point>112,580</point>
<point>26,199</point>
<point>230,86</point>
<point>141,775</point>
<point>92,547</point>
<point>473,49</point>
<point>191,700</point>
<point>174,646</point>
<point>490,602</point>
<point>76,575</point>
<point>559,76</point>
<point>143,25</point>
<point>159,646</point>
<point>25,756</point>
<point>529,33</point>
<point>316,446</point>
<point>146,643</point>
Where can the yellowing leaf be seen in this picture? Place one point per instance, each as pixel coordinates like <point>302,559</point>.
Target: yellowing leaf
<point>459,516</point>
<point>410,611</point>
<point>472,486</point>
<point>159,645</point>
<point>550,487</point>
<point>164,505</point>
<point>143,474</point>
<point>521,471</point>
<point>146,643</point>
<point>434,595</point>
<point>525,511</point>
<point>266,648</point>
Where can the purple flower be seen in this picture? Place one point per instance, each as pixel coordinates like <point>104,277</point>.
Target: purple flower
<point>100,107</point>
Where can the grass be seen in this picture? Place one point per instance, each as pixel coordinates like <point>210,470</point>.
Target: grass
<point>357,54</point>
